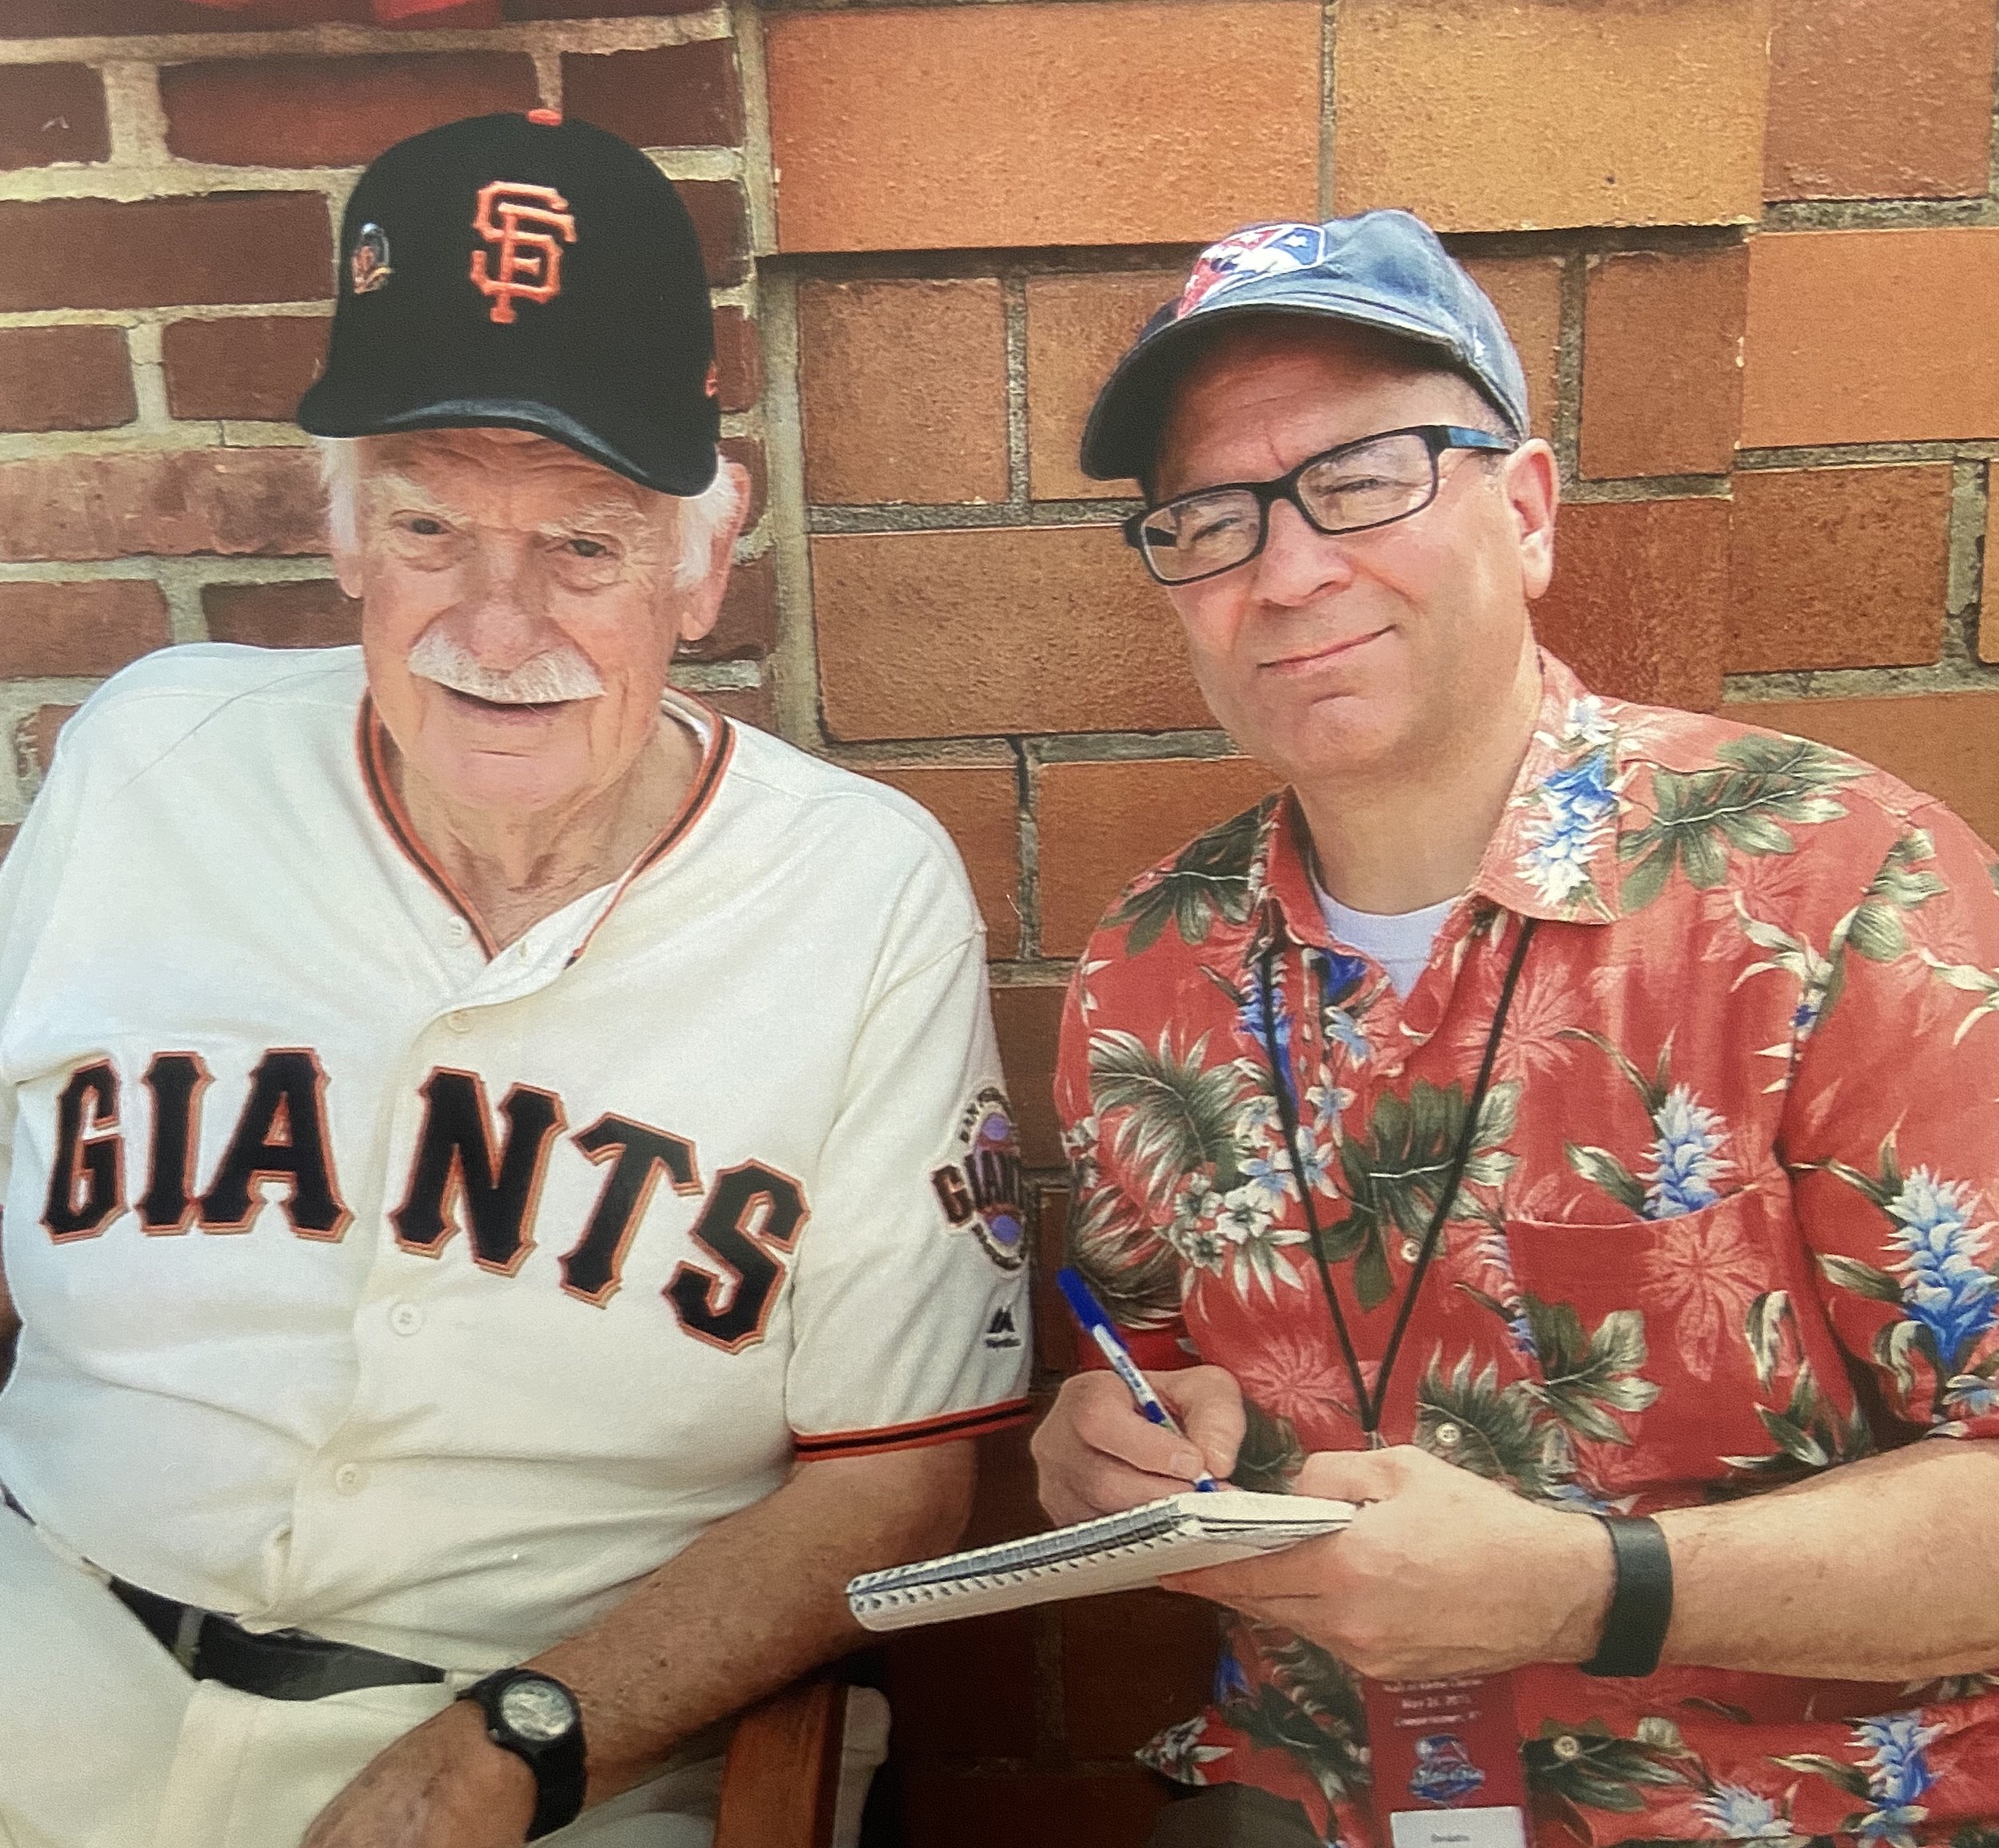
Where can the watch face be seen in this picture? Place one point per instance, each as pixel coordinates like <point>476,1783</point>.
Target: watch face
<point>536,1709</point>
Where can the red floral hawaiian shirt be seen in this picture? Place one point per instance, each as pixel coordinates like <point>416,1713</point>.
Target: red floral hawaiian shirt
<point>1725,1222</point>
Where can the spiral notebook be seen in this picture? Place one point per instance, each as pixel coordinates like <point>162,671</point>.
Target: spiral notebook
<point>1114,1552</point>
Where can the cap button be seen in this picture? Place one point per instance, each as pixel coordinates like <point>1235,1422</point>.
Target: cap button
<point>545,118</point>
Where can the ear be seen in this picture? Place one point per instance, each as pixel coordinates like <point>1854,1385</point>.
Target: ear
<point>1532,483</point>
<point>347,568</point>
<point>698,607</point>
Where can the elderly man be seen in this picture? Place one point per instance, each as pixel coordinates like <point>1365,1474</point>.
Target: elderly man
<point>507,1166</point>
<point>1567,1128</point>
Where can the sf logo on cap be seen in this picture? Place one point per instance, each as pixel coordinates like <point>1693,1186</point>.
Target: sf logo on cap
<point>528,262</point>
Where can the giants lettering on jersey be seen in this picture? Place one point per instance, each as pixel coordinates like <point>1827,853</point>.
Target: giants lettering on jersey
<point>749,1223</point>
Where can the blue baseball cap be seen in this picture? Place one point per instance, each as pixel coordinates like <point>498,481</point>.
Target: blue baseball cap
<point>1381,269</point>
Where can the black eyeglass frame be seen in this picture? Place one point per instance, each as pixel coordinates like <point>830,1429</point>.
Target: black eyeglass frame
<point>1437,438</point>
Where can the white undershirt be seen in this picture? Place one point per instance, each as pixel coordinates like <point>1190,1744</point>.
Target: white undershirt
<point>1400,944</point>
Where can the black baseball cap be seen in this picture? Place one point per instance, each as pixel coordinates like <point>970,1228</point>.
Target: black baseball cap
<point>532,273</point>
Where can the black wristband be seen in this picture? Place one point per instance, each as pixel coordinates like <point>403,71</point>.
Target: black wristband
<point>1641,1599</point>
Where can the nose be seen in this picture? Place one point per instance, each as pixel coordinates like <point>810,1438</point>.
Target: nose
<point>1298,564</point>
<point>502,618</point>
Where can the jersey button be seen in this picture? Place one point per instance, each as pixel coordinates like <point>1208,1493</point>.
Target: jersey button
<point>349,1479</point>
<point>457,930</point>
<point>405,1318</point>
<point>459,1020</point>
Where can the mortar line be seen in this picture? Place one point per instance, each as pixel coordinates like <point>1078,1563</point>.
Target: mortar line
<point>1328,103</point>
<point>1013,289</point>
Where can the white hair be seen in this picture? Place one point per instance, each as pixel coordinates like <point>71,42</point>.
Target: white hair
<point>703,517</point>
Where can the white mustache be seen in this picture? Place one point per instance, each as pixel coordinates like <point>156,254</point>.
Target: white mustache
<point>559,674</point>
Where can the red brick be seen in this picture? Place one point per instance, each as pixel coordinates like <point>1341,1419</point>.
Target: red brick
<point>904,386</point>
<point>1879,99</point>
<point>309,612</point>
<point>91,628</point>
<point>1054,1330</point>
<point>679,96</point>
<point>65,378</point>
<point>83,18</point>
<point>51,112</point>
<point>738,360</point>
<point>1640,596</point>
<point>221,247</point>
<point>1112,1808</point>
<point>747,627</point>
<point>941,1709</point>
<point>754,705</point>
<point>597,8</point>
<point>231,501</point>
<point>962,127</point>
<point>1102,824</point>
<point>1938,743</point>
<point>1838,568</point>
<point>254,367</point>
<point>981,808</point>
<point>36,738</point>
<point>1028,1021</point>
<point>1485,115</point>
<point>330,112</point>
<point>1132,1664</point>
<point>1865,336</point>
<point>748,453</point>
<point>1527,292</point>
<point>1663,362</point>
<point>721,221</point>
<point>1078,327</point>
<point>950,634</point>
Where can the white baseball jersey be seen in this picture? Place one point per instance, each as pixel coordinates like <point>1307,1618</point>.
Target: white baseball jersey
<point>425,1297</point>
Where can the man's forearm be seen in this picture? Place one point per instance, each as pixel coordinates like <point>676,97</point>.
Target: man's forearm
<point>753,1603</point>
<point>1872,1571</point>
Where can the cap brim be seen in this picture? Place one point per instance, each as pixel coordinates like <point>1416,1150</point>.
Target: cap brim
<point>683,466</point>
<point>1123,429</point>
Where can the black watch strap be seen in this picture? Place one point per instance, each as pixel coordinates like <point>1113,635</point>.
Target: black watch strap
<point>558,1763</point>
<point>1640,1600</point>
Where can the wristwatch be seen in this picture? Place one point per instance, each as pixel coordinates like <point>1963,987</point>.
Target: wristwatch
<point>537,1719</point>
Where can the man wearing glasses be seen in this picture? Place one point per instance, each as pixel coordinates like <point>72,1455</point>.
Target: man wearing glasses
<point>1551,1122</point>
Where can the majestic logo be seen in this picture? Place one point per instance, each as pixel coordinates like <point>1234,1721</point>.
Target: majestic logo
<point>367,262</point>
<point>1261,250</point>
<point>981,1188</point>
<point>530,225</point>
<point>1444,1770</point>
<point>1001,1332</point>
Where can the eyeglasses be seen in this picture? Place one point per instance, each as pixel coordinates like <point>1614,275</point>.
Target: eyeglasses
<point>1373,482</point>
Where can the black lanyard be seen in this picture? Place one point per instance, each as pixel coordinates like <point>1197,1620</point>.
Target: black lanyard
<point>1367,1408</point>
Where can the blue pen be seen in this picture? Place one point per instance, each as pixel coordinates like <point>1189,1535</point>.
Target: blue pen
<point>1089,1311</point>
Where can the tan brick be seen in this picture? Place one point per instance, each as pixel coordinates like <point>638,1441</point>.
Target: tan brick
<point>966,127</point>
<point>1663,362</point>
<point>1055,629</point>
<point>65,378</point>
<point>747,630</point>
<point>1078,326</point>
<point>904,386</point>
<point>981,808</point>
<point>1484,115</point>
<point>1879,99</point>
<point>231,501</point>
<point>1863,336</point>
<point>307,613</point>
<point>51,112</point>
<point>1640,595</point>
<point>1132,1664</point>
<point>220,247</point>
<point>90,628</point>
<point>1838,568</point>
<point>1527,292</point>
<point>1028,1022</point>
<point>254,366</point>
<point>1102,824</point>
<point>1938,743</point>
<point>330,112</point>
<point>678,96</point>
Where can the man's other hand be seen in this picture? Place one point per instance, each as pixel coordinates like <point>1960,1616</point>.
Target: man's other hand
<point>1098,1453</point>
<point>442,1784</point>
<point>1443,1572</point>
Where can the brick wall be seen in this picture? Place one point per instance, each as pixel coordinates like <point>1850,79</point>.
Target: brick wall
<point>1749,249</point>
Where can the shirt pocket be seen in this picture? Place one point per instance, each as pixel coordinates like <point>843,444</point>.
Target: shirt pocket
<point>1730,1374</point>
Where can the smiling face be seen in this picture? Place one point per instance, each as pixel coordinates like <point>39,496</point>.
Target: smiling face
<point>1369,655</point>
<point>520,610</point>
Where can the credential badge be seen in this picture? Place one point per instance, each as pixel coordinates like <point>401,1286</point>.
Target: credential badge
<point>367,262</point>
<point>981,1188</point>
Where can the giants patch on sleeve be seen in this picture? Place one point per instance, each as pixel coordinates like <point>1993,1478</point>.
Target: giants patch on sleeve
<point>979,1183</point>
